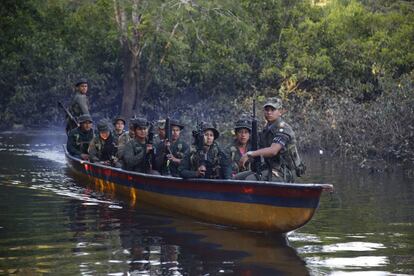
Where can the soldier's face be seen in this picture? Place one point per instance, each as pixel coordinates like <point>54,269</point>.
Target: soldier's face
<point>119,126</point>
<point>243,135</point>
<point>104,134</point>
<point>208,137</point>
<point>83,88</point>
<point>175,132</point>
<point>161,133</point>
<point>141,133</point>
<point>271,114</point>
<point>86,126</point>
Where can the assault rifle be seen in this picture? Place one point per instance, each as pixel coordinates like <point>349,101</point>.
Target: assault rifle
<point>69,115</point>
<point>168,138</point>
<point>168,130</point>
<point>150,154</point>
<point>256,164</point>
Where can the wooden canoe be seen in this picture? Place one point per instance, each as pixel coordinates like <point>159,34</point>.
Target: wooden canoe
<point>253,205</point>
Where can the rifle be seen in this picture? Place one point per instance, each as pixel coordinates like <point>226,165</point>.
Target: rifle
<point>168,139</point>
<point>150,155</point>
<point>256,164</point>
<point>71,117</point>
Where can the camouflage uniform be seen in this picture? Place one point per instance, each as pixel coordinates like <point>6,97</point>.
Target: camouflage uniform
<point>281,133</point>
<point>115,134</point>
<point>78,141</point>
<point>123,139</point>
<point>233,154</point>
<point>215,161</point>
<point>79,105</point>
<point>102,150</point>
<point>164,166</point>
<point>134,157</point>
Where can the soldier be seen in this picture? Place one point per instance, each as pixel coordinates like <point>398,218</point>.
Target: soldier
<point>119,128</point>
<point>80,137</point>
<point>137,151</point>
<point>170,153</point>
<point>79,104</point>
<point>240,145</point>
<point>208,161</point>
<point>277,146</point>
<point>102,148</point>
<point>124,139</point>
<point>161,131</point>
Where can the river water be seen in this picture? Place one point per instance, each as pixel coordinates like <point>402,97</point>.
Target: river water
<point>52,223</point>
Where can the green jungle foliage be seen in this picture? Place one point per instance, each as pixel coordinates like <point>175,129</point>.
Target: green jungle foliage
<point>345,69</point>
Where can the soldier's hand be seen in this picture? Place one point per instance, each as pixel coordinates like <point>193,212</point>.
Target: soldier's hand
<point>201,171</point>
<point>149,148</point>
<point>84,156</point>
<point>172,158</point>
<point>243,160</point>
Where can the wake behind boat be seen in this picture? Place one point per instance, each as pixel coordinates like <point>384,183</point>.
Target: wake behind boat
<point>253,205</point>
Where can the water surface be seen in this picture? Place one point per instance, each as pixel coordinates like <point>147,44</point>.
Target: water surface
<point>54,223</point>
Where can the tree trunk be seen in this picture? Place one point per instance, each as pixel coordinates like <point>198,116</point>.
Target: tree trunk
<point>130,82</point>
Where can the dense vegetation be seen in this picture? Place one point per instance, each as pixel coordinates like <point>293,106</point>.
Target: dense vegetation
<point>344,69</point>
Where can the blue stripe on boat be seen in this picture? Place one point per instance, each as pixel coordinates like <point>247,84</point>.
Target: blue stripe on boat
<point>295,202</point>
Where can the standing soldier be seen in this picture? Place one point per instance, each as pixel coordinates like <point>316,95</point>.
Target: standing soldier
<point>240,145</point>
<point>137,151</point>
<point>277,146</point>
<point>206,160</point>
<point>79,104</point>
<point>170,153</point>
<point>102,147</point>
<point>80,137</point>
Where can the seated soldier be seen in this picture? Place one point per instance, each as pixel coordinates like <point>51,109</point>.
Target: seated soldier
<point>138,152</point>
<point>170,153</point>
<point>240,145</point>
<point>123,140</point>
<point>206,160</point>
<point>161,131</point>
<point>119,128</point>
<point>277,146</point>
<point>80,137</point>
<point>102,148</point>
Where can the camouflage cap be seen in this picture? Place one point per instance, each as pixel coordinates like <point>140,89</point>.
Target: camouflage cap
<point>243,123</point>
<point>139,122</point>
<point>176,123</point>
<point>85,118</point>
<point>103,126</point>
<point>80,81</point>
<point>161,124</point>
<point>119,118</point>
<point>274,102</point>
<point>212,127</point>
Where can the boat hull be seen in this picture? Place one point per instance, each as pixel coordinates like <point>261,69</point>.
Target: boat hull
<point>253,205</point>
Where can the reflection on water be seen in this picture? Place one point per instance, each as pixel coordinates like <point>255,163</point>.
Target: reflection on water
<point>52,222</point>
